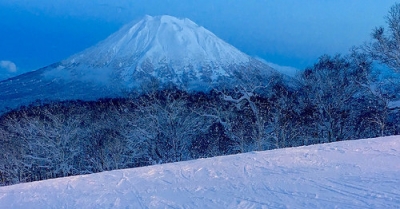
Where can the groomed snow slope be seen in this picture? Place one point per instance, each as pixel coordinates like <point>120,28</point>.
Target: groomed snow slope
<point>348,174</point>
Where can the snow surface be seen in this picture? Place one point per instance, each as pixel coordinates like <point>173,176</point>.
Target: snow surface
<point>159,40</point>
<point>348,174</point>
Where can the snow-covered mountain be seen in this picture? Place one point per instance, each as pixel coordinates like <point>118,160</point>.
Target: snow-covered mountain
<point>347,174</point>
<point>161,40</point>
<point>156,51</point>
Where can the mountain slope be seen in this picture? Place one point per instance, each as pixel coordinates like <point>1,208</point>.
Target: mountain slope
<point>154,52</point>
<point>347,174</point>
<point>160,40</point>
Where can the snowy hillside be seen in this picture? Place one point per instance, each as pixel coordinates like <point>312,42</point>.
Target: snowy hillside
<point>156,51</point>
<point>347,174</point>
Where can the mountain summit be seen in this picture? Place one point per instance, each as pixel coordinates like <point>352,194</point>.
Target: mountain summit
<point>161,40</point>
<point>166,49</point>
<point>155,51</point>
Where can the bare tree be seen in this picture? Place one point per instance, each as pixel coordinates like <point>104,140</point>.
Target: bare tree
<point>171,123</point>
<point>244,95</point>
<point>385,47</point>
<point>332,84</point>
<point>233,122</point>
<point>284,126</point>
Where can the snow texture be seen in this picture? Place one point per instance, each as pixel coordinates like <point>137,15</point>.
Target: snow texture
<point>348,174</point>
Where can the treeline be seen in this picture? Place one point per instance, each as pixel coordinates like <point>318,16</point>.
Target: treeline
<point>59,139</point>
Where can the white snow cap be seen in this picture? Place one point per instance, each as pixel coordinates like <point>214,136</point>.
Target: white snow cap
<point>160,40</point>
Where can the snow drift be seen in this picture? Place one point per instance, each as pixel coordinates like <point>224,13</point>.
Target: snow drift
<point>347,174</point>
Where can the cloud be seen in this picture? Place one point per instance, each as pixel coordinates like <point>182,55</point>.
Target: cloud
<point>8,65</point>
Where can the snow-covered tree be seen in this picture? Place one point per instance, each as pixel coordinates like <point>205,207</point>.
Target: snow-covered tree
<point>284,126</point>
<point>173,124</point>
<point>243,96</point>
<point>332,84</point>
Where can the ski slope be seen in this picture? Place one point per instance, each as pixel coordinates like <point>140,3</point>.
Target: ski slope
<point>348,174</point>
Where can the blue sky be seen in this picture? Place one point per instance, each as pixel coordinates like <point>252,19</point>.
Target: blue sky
<point>37,33</point>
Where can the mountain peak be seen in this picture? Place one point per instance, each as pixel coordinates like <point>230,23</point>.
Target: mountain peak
<point>165,20</point>
<point>169,19</point>
<point>160,40</point>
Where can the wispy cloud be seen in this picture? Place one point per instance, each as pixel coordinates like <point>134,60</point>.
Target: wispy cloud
<point>8,65</point>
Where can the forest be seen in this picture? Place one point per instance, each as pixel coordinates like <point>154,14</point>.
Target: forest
<point>338,98</point>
